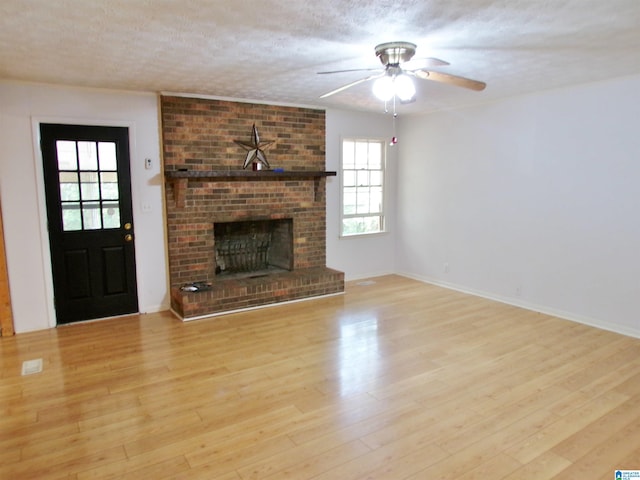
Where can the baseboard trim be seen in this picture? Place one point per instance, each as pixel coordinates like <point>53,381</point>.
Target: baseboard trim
<point>592,322</point>
<point>364,277</point>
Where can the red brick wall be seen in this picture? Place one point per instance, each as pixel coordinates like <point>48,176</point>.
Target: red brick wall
<point>199,134</point>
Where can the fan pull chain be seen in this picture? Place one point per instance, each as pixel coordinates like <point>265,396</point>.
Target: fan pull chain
<point>394,138</point>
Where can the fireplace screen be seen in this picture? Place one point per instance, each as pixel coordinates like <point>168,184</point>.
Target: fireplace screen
<point>254,247</point>
<point>243,253</point>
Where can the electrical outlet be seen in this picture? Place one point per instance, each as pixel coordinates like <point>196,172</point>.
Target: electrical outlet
<point>147,163</point>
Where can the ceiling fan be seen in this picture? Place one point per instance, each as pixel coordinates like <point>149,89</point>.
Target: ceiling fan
<point>394,80</point>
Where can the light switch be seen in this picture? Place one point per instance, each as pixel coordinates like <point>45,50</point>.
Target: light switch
<point>147,163</point>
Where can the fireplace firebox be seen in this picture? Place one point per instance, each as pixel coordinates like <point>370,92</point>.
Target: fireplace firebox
<point>253,248</point>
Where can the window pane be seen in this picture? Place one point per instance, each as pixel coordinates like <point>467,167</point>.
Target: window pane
<point>348,160</point>
<point>375,155</point>
<point>67,159</point>
<point>356,225</point>
<point>375,177</point>
<point>349,201</point>
<point>363,177</point>
<point>362,150</point>
<point>109,185</point>
<point>91,215</point>
<point>69,189</point>
<point>363,200</point>
<point>375,200</point>
<point>88,155</point>
<point>89,186</point>
<point>107,151</point>
<point>111,215</point>
<point>351,226</point>
<point>349,178</point>
<point>71,220</point>
<point>372,224</point>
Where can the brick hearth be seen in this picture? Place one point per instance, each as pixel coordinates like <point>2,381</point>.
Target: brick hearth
<point>199,135</point>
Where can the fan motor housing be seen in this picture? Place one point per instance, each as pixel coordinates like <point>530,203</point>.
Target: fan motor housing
<point>394,53</point>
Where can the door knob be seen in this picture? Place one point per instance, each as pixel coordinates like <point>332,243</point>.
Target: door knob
<point>127,226</point>
<point>128,237</point>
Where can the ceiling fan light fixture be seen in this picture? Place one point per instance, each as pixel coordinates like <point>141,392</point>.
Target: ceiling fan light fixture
<point>401,86</point>
<point>383,88</point>
<point>396,81</point>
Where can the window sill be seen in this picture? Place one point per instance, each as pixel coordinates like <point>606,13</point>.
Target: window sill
<point>363,235</point>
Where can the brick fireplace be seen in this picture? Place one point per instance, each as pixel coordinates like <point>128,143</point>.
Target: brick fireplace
<point>277,217</point>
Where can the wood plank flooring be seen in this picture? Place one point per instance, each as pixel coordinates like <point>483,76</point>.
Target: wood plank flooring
<point>394,380</point>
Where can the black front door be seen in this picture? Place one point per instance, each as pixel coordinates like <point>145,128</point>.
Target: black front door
<point>88,195</point>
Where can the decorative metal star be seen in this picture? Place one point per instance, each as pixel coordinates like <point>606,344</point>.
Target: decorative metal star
<point>254,149</point>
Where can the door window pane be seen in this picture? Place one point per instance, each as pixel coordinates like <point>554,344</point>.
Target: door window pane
<point>67,158</point>
<point>111,215</point>
<point>88,155</point>
<point>107,152</point>
<point>91,215</point>
<point>89,186</point>
<point>109,185</point>
<point>71,219</point>
<point>69,189</point>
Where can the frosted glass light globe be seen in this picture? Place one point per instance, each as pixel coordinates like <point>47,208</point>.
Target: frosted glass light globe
<point>405,89</point>
<point>383,88</point>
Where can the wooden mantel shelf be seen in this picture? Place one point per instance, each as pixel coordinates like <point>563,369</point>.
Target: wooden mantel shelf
<point>180,178</point>
<point>245,174</point>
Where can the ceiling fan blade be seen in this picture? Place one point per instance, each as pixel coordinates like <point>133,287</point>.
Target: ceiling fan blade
<point>351,70</point>
<point>352,84</point>
<point>450,79</point>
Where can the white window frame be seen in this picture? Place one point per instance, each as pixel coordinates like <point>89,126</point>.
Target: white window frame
<point>383,173</point>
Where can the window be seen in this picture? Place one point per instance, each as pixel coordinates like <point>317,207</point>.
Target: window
<point>88,178</point>
<point>363,166</point>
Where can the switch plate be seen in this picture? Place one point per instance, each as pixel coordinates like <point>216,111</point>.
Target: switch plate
<point>147,163</point>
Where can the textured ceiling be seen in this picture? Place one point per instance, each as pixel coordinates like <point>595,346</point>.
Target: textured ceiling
<point>270,50</point>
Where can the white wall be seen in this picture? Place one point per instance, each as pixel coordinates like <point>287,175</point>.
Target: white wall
<point>533,200</point>
<point>22,106</point>
<point>361,256</point>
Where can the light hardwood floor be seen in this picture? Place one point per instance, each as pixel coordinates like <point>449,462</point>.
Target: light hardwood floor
<point>395,380</point>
